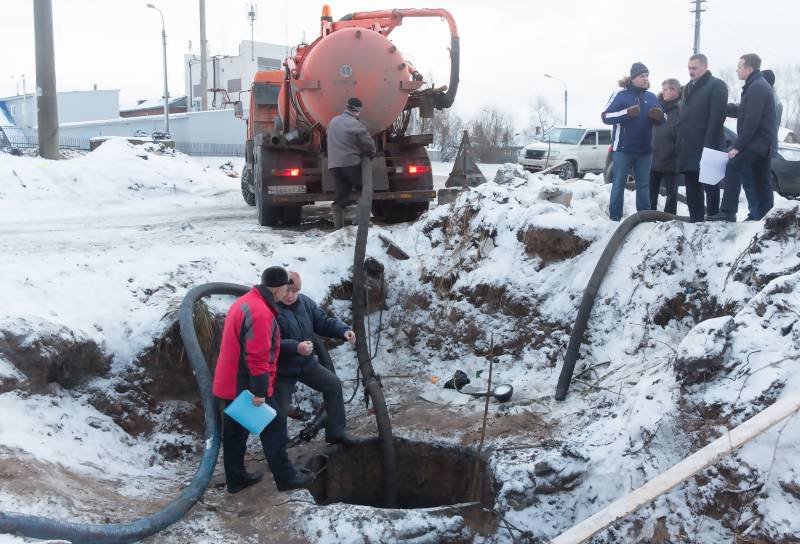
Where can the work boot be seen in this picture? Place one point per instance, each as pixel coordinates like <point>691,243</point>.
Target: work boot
<point>344,439</point>
<point>300,480</point>
<point>338,217</point>
<point>252,478</point>
<point>723,216</point>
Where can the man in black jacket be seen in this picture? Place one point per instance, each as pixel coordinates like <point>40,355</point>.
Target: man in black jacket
<point>665,153</point>
<point>299,318</point>
<point>756,136</point>
<point>702,114</point>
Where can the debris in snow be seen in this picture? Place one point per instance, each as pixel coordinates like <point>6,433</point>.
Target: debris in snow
<point>701,352</point>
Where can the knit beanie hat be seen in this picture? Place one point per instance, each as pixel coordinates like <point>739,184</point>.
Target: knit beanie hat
<point>275,276</point>
<point>637,69</point>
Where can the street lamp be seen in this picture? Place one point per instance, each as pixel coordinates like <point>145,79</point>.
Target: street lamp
<point>565,95</point>
<point>166,88</point>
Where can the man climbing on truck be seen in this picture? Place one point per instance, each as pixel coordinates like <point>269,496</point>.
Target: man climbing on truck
<point>348,140</point>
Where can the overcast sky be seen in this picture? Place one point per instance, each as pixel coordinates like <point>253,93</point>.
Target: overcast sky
<point>506,46</point>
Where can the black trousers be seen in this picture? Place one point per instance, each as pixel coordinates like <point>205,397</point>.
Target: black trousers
<point>347,179</point>
<point>698,208</point>
<point>670,180</point>
<point>318,378</point>
<point>234,446</point>
<point>750,168</point>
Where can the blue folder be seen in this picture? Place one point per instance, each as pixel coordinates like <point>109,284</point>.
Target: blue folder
<point>251,417</point>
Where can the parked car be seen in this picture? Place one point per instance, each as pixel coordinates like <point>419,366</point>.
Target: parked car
<point>581,150</point>
<point>785,167</point>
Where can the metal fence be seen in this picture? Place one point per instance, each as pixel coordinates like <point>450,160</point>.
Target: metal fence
<point>13,137</point>
<point>218,150</point>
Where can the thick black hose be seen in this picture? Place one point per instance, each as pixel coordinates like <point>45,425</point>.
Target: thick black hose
<point>46,528</point>
<point>371,383</point>
<point>589,294</point>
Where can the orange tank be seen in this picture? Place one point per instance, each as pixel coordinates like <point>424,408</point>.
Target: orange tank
<point>351,62</point>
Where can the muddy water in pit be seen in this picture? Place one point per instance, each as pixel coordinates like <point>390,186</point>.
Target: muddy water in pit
<point>432,476</point>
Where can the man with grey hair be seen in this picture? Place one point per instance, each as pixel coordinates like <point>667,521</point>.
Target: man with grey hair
<point>665,152</point>
<point>702,114</point>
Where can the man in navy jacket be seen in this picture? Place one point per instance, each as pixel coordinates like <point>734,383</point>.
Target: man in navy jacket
<point>756,137</point>
<point>299,318</point>
<point>633,111</point>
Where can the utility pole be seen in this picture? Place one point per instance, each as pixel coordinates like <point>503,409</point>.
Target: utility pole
<point>697,11</point>
<point>46,100</point>
<point>203,58</point>
<point>166,87</point>
<point>251,16</point>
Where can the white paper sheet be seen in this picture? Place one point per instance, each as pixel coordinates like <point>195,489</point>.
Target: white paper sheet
<point>712,166</point>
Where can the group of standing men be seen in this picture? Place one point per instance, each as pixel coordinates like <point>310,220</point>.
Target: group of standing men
<point>662,138</point>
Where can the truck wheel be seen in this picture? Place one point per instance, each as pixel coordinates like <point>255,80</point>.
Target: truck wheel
<point>394,212</point>
<point>268,216</point>
<point>247,182</point>
<point>416,209</point>
<point>292,215</point>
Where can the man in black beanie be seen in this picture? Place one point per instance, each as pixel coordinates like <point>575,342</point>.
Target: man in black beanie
<point>348,139</point>
<point>248,359</point>
<point>632,110</point>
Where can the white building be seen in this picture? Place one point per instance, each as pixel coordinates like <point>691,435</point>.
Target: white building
<point>73,107</point>
<point>233,73</point>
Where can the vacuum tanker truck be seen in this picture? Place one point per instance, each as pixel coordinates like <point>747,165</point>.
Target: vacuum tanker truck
<point>286,151</point>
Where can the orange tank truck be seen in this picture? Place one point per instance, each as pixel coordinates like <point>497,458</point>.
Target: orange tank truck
<point>286,152</point>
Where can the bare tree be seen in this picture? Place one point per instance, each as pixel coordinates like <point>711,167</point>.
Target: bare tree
<point>728,75</point>
<point>446,127</point>
<point>490,131</point>
<point>787,85</point>
<point>542,118</point>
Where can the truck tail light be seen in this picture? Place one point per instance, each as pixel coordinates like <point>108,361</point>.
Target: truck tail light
<point>287,172</point>
<point>417,169</point>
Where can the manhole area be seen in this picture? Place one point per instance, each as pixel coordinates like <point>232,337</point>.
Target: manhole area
<point>428,475</point>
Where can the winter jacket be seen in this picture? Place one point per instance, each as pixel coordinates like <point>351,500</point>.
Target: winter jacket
<point>631,134</point>
<point>665,139</point>
<point>298,323</point>
<point>756,125</point>
<point>778,108</point>
<point>248,354</point>
<point>348,139</point>
<point>702,114</point>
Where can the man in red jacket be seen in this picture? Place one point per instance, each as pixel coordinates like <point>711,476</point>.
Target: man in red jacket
<point>248,359</point>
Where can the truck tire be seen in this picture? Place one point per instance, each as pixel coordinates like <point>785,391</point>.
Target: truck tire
<point>416,209</point>
<point>268,216</point>
<point>394,212</point>
<point>292,215</point>
<point>247,182</point>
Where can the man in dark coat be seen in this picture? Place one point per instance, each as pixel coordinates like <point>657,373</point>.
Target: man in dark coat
<point>248,359</point>
<point>632,110</point>
<point>756,136</point>
<point>702,114</point>
<point>665,153</point>
<point>348,139</point>
<point>299,319</point>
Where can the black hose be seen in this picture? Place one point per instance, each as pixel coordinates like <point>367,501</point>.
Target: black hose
<point>446,100</point>
<point>371,383</point>
<point>46,528</point>
<point>589,294</point>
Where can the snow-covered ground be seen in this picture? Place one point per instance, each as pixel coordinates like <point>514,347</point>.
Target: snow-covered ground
<point>104,246</point>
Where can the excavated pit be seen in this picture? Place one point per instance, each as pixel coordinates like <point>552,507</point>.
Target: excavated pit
<point>429,475</point>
